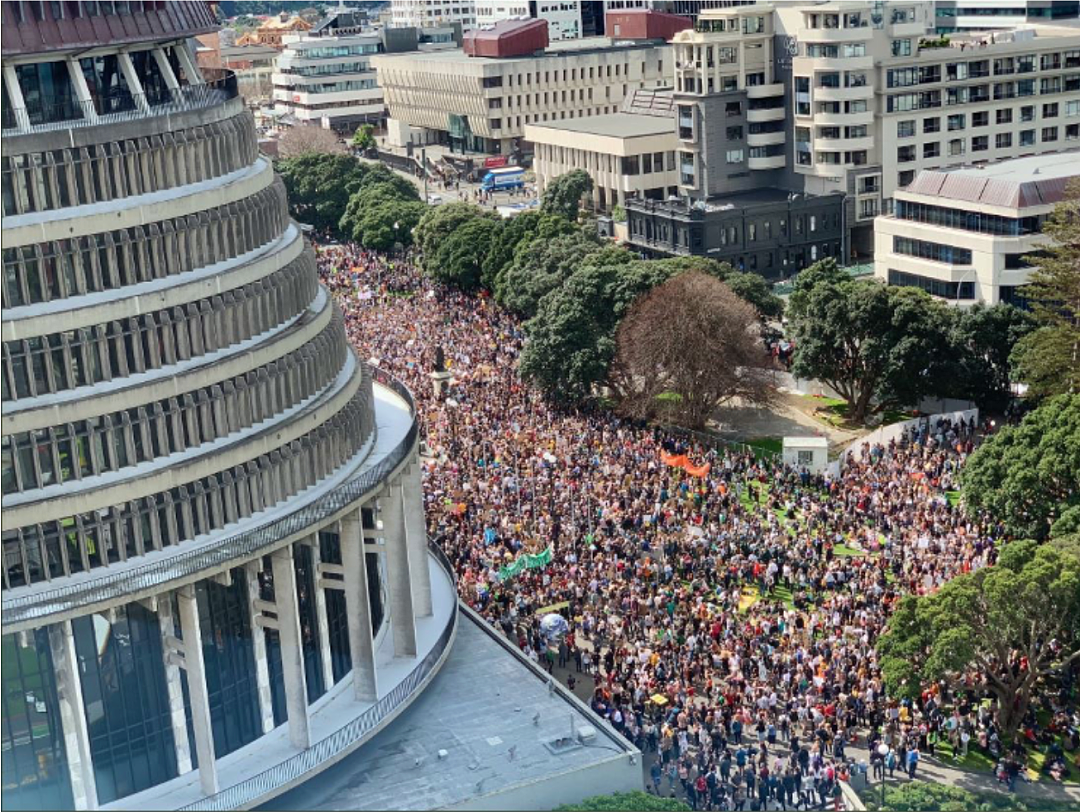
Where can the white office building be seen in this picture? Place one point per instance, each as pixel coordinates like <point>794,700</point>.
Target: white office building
<point>963,234</point>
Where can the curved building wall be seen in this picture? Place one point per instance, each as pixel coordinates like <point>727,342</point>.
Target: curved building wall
<point>212,514</point>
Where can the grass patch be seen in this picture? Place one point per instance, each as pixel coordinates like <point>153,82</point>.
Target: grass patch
<point>769,445</point>
<point>783,594</point>
<point>844,550</point>
<point>669,397</point>
<point>952,497</point>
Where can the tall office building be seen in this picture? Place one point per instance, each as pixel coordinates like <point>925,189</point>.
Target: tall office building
<point>216,576</point>
<point>951,16</point>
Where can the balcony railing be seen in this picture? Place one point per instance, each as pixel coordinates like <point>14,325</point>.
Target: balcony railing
<point>121,105</point>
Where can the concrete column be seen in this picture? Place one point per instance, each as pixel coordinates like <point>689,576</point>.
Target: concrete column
<point>357,602</point>
<point>166,69</point>
<point>82,90</point>
<point>196,679</point>
<point>416,537</point>
<point>188,64</point>
<point>320,613</point>
<point>402,619</point>
<point>258,639</point>
<point>292,650</point>
<point>133,82</point>
<point>73,714</point>
<point>173,686</point>
<point>18,103</point>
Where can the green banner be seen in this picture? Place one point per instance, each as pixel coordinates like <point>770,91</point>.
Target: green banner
<point>526,562</point>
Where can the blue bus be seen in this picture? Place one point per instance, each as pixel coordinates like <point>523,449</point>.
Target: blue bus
<point>505,177</point>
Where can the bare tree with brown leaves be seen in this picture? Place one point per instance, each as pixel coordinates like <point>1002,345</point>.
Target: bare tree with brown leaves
<point>688,347</point>
<point>305,138</point>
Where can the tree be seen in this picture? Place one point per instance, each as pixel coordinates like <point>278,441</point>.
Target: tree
<point>563,194</point>
<point>876,345</point>
<point>307,138</point>
<point>824,271</point>
<point>439,223</point>
<point>636,801</point>
<point>754,289</point>
<point>542,268</point>
<point>694,338</point>
<point>364,137</point>
<point>513,238</point>
<point>378,218</point>
<point>1002,628</point>
<point>1028,476</point>
<point>1048,359</point>
<point>459,259</point>
<point>982,339</point>
<point>319,187</point>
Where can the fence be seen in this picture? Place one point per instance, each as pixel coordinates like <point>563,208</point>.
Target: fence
<point>36,605</point>
<point>121,107</point>
<point>286,773</point>
<point>894,431</point>
<point>717,443</point>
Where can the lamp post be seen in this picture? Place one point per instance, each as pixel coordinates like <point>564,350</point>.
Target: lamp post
<point>883,751</point>
<point>960,284</point>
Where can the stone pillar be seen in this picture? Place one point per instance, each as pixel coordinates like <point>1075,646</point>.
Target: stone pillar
<point>258,640</point>
<point>18,103</point>
<point>82,90</point>
<point>416,537</point>
<point>358,604</point>
<point>292,651</point>
<point>320,612</point>
<point>188,64</point>
<point>72,714</point>
<point>166,69</point>
<point>173,686</point>
<point>133,82</point>
<point>402,619</point>
<point>200,699</point>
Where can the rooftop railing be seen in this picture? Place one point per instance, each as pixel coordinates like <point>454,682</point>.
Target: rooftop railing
<point>120,105</point>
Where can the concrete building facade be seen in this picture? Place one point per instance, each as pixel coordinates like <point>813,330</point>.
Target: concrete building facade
<point>216,576</point>
<point>969,234</point>
<point>951,16</point>
<point>483,104</point>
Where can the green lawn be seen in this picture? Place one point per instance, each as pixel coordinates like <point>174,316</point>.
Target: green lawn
<point>844,550</point>
<point>771,445</point>
<point>953,497</point>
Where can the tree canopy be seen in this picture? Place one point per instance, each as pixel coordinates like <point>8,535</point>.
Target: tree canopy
<point>1048,359</point>
<point>982,339</point>
<point>439,223</point>
<point>1005,627</point>
<point>541,268</point>
<point>459,259</point>
<point>563,194</point>
<point>1028,476</point>
<point>875,345</point>
<point>693,338</point>
<point>319,187</point>
<point>636,801</point>
<point>384,209</point>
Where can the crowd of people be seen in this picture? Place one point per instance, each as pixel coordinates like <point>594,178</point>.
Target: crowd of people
<point>724,622</point>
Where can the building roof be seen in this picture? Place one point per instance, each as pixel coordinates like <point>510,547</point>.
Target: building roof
<point>1039,180</point>
<point>617,125</point>
<point>650,101</point>
<point>569,47</point>
<point>507,38</point>
<point>37,30</point>
<point>480,708</point>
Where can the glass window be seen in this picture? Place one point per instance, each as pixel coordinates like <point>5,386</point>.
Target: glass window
<point>35,770</point>
<point>935,287</point>
<point>126,701</point>
<point>337,617</point>
<point>309,623</point>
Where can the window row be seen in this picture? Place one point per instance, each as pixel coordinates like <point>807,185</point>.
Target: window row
<point>936,252</point>
<point>42,181</point>
<point>109,260</point>
<point>967,220</point>
<point>935,287</point>
<point>55,549</point>
<point>111,442</point>
<point>60,361</point>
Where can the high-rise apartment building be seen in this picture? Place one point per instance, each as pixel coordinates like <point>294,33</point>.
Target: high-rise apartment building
<point>432,13</point>
<point>952,16</point>
<point>854,98</point>
<point>216,576</point>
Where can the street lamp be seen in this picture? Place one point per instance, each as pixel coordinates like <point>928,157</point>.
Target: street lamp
<point>883,751</point>
<point>960,284</point>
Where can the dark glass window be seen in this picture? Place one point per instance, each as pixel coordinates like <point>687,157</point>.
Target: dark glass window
<point>230,663</point>
<point>273,648</point>
<point>105,80</point>
<point>309,620</point>
<point>126,701</point>
<point>374,591</point>
<point>937,252</point>
<point>337,617</point>
<point>35,771</point>
<point>47,92</point>
<point>935,287</point>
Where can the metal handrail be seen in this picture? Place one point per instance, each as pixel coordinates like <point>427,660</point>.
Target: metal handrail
<point>125,106</point>
<point>245,544</point>
<point>257,787</point>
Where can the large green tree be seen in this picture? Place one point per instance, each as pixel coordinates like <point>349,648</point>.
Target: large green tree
<point>563,194</point>
<point>754,289</point>
<point>824,271</point>
<point>876,345</point>
<point>1007,626</point>
<point>1048,359</point>
<point>1028,476</point>
<point>442,221</point>
<point>319,187</point>
<point>377,217</point>
<point>636,801</point>
<point>459,259</point>
<point>982,339</point>
<point>542,268</point>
